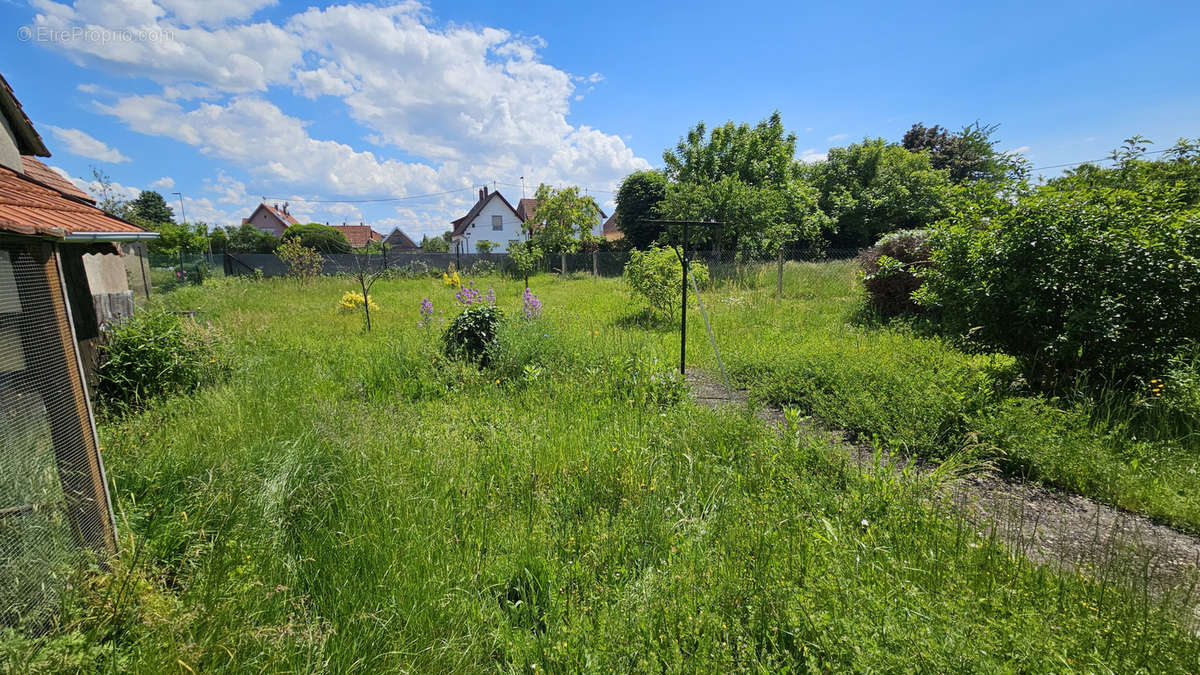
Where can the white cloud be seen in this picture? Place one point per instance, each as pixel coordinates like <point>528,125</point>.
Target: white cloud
<point>1017,151</point>
<point>164,183</point>
<point>80,143</point>
<point>464,104</point>
<point>837,137</point>
<point>811,156</point>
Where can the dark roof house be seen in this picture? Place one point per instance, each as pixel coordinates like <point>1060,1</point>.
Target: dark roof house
<point>398,241</point>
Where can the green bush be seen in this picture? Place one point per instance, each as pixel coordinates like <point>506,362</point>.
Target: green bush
<point>656,276</point>
<point>473,335</point>
<point>154,353</point>
<point>890,271</point>
<point>1076,281</point>
<point>321,237</point>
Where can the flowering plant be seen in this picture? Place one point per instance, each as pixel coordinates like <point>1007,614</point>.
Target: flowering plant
<point>353,300</point>
<point>451,280</point>
<point>531,307</point>
<point>469,295</point>
<point>426,312</point>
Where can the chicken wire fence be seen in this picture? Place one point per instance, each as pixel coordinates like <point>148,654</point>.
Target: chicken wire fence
<point>53,501</point>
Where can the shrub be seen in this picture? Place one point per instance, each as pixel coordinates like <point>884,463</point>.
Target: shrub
<point>154,353</point>
<point>352,301</point>
<point>890,271</point>
<point>303,263</point>
<point>656,276</point>
<point>1074,281</point>
<point>472,335</point>
<point>482,268</point>
<point>321,237</point>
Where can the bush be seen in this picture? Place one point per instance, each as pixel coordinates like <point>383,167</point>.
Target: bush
<point>890,271</point>
<point>482,268</point>
<point>472,335</point>
<point>321,237</point>
<point>303,263</point>
<point>154,353</point>
<point>656,276</point>
<point>1075,281</point>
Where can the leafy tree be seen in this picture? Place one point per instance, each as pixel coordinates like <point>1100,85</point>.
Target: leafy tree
<point>250,239</point>
<point>485,246</point>
<point>149,207</point>
<point>564,219</point>
<point>871,188</point>
<point>656,276</point>
<point>218,240</point>
<point>525,256</point>
<point>434,244</point>
<point>637,198</point>
<point>321,237</point>
<point>764,154</point>
<point>1173,180</point>
<point>303,263</point>
<point>174,238</point>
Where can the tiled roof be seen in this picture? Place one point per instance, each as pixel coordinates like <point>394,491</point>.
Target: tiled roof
<point>35,169</point>
<point>526,208</point>
<point>282,215</point>
<point>358,235</point>
<point>28,140</point>
<point>29,207</point>
<point>610,231</point>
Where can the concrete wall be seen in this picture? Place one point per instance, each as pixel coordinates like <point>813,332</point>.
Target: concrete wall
<point>106,277</point>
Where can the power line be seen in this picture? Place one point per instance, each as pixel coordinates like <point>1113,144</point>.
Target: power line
<point>371,200</point>
<point>1092,161</point>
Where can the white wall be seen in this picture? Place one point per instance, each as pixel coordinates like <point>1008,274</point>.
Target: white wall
<point>481,228</point>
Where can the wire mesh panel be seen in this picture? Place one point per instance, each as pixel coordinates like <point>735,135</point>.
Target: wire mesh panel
<point>53,501</point>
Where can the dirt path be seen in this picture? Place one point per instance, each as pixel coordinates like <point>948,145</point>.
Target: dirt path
<point>1049,527</point>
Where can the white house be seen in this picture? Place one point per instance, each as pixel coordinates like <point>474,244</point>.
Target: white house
<point>494,219</point>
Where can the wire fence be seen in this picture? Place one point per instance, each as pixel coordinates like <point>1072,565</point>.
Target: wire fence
<point>53,499</point>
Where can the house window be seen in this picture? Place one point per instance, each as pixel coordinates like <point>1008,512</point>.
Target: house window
<point>497,223</point>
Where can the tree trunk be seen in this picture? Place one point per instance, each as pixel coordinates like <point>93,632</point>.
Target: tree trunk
<point>563,271</point>
<point>366,303</point>
<point>595,266</point>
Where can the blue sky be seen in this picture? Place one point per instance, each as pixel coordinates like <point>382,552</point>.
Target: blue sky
<point>227,101</point>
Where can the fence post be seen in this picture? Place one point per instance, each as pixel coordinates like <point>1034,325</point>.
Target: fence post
<point>779,276</point>
<point>595,266</point>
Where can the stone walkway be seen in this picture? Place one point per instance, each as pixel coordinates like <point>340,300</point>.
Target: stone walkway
<point>1049,527</point>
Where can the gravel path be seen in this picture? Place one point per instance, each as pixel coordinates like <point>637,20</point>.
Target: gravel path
<point>1049,527</point>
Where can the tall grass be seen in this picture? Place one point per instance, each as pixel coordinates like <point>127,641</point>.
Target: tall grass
<point>354,502</point>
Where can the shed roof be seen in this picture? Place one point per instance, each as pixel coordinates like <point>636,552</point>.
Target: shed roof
<point>29,207</point>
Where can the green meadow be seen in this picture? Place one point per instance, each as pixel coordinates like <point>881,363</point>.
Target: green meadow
<point>345,501</point>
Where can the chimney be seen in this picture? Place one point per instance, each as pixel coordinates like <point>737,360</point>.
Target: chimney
<point>485,192</point>
<point>285,205</point>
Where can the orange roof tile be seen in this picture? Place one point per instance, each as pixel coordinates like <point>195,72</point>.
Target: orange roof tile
<point>37,170</point>
<point>28,207</point>
<point>358,235</point>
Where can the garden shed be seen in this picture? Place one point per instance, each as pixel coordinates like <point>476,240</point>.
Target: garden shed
<point>54,499</point>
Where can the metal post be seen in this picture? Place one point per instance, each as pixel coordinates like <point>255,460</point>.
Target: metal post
<point>683,314</point>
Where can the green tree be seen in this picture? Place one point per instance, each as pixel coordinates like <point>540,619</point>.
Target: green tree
<point>764,154</point>
<point>176,238</point>
<point>525,257</point>
<point>871,188</point>
<point>321,237</point>
<point>434,244</point>
<point>149,207</point>
<point>485,246</point>
<point>637,198</point>
<point>250,239</point>
<point>564,220</point>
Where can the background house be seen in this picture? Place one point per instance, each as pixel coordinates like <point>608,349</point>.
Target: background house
<point>359,235</point>
<point>272,219</point>
<point>398,241</point>
<point>494,219</point>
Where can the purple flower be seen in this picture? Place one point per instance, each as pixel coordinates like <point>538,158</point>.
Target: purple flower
<point>491,296</point>
<point>468,294</point>
<point>426,312</point>
<point>532,307</point>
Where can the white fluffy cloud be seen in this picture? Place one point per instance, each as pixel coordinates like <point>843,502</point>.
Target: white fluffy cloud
<point>80,143</point>
<point>164,183</point>
<point>462,105</point>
